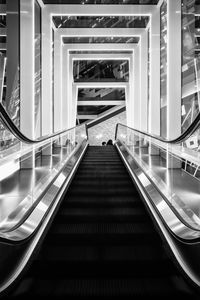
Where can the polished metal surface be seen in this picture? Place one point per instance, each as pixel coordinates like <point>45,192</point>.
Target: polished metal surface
<point>41,217</point>
<point>35,170</point>
<point>21,191</point>
<point>157,209</point>
<point>26,225</point>
<point>179,183</point>
<point>179,189</point>
<point>173,221</point>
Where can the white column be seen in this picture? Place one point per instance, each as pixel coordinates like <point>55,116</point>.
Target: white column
<point>144,82</point>
<point>27,107</point>
<point>46,72</point>
<point>173,68</point>
<point>57,82</point>
<point>74,105</point>
<point>154,101</point>
<point>173,75</point>
<point>27,70</point>
<point>128,101</point>
<point>130,93</point>
<point>136,86</point>
<point>70,94</point>
<point>65,88</point>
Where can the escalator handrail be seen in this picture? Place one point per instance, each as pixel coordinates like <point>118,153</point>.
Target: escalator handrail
<point>8,123</point>
<point>184,136</point>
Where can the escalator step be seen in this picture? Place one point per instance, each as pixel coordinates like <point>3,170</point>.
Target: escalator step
<point>142,229</point>
<point>85,202</point>
<point>89,268</point>
<point>119,191</point>
<point>106,287</point>
<point>104,211</point>
<point>102,184</point>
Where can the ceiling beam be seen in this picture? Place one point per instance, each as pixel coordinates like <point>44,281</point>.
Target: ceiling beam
<point>98,85</point>
<point>101,102</point>
<point>100,10</point>
<point>101,32</point>
<point>86,117</point>
<point>110,56</point>
<point>100,47</point>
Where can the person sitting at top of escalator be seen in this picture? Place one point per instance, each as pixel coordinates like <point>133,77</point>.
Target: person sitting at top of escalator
<point>109,143</point>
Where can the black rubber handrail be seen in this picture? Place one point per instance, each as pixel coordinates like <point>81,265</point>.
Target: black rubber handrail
<point>8,123</point>
<point>184,136</point>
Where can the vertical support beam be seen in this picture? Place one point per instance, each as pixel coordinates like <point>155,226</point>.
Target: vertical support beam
<point>71,94</point>
<point>136,103</point>
<point>27,68</point>
<point>65,88</point>
<point>144,82</point>
<point>12,46</point>
<point>57,82</point>
<point>46,72</point>
<point>173,68</point>
<point>12,53</point>
<point>2,75</point>
<point>129,105</point>
<point>174,25</point>
<point>130,92</point>
<point>74,105</point>
<point>154,101</point>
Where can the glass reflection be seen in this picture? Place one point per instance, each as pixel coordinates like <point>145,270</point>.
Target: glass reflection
<point>113,70</point>
<point>176,174</point>
<point>37,68</point>
<point>163,68</point>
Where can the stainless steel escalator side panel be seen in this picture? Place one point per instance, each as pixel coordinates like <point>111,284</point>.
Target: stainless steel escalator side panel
<point>45,219</point>
<point>172,220</point>
<point>28,226</point>
<point>176,234</point>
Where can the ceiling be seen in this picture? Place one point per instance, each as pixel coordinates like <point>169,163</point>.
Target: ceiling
<point>92,94</point>
<point>104,70</point>
<point>100,70</point>
<point>97,94</point>
<point>120,2</point>
<point>99,52</point>
<point>99,40</point>
<point>92,110</point>
<point>100,22</point>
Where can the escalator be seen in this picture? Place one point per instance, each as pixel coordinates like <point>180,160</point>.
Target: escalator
<point>102,242</point>
<point>95,237</point>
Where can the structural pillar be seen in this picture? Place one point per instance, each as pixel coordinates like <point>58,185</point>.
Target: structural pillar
<point>136,85</point>
<point>57,82</point>
<point>144,82</point>
<point>47,125</point>
<point>154,101</point>
<point>174,70</point>
<point>174,73</point>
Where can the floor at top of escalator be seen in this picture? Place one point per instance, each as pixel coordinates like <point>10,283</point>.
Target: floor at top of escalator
<point>102,243</point>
